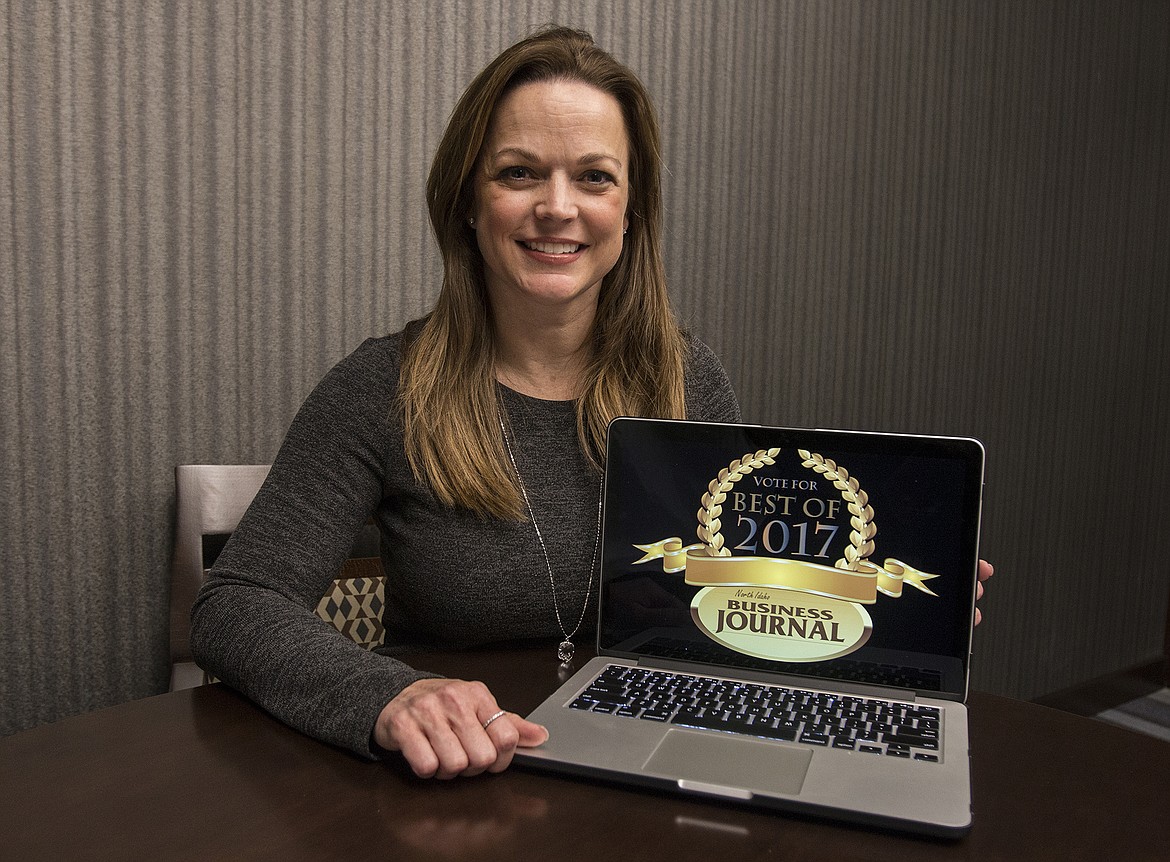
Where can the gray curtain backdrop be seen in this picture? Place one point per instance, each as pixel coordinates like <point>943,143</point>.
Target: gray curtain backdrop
<point>946,217</point>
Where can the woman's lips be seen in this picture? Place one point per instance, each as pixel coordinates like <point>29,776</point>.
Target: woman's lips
<point>551,247</point>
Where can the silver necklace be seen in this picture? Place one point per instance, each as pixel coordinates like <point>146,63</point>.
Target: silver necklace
<point>566,648</point>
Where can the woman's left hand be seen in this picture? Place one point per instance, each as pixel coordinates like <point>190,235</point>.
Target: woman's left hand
<point>450,727</point>
<point>986,570</point>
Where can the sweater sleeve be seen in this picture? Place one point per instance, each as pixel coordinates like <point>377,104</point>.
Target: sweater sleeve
<point>253,622</point>
<point>709,395</point>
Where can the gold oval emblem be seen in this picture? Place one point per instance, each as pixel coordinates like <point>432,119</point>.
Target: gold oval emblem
<point>782,625</point>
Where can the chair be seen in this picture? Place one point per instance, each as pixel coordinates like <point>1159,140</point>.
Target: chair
<point>210,500</point>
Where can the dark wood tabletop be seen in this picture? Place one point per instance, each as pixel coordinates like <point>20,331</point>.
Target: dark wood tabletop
<point>204,774</point>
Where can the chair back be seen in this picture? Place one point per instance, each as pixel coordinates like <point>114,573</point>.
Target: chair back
<point>210,499</point>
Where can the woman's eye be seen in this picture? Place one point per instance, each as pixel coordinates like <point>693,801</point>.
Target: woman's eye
<point>597,178</point>
<point>516,172</point>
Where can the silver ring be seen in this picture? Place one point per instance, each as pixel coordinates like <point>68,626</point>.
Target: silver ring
<point>493,718</point>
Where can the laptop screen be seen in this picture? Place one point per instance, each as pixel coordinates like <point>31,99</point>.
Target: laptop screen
<point>835,555</point>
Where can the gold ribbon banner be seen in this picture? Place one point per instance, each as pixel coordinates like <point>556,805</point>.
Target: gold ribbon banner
<point>861,585</point>
<point>671,551</point>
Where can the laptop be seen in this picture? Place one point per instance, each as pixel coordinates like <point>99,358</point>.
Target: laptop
<point>785,621</point>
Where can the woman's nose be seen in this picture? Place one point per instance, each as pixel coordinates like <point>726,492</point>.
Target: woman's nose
<point>558,201</point>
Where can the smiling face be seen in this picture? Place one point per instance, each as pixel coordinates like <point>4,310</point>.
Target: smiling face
<point>551,194</point>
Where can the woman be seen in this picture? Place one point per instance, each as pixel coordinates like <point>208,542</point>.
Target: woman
<point>474,437</point>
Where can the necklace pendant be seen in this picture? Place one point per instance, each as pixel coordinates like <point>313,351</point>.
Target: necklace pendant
<point>565,651</point>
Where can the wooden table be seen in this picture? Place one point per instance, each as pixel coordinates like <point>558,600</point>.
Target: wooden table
<point>203,774</point>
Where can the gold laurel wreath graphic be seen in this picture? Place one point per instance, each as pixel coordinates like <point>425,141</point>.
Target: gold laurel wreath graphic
<point>861,536</point>
<point>709,524</point>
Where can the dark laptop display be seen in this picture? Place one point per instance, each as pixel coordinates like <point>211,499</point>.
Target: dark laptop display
<point>820,500</point>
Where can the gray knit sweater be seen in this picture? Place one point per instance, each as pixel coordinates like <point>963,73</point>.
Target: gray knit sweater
<point>454,579</point>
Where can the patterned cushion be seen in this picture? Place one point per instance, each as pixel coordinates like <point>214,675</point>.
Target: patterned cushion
<point>354,603</point>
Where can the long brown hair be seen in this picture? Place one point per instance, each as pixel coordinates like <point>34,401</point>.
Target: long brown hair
<point>447,387</point>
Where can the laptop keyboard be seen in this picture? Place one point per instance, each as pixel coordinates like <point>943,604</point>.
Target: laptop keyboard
<point>863,724</point>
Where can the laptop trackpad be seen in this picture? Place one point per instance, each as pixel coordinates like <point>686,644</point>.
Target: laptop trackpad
<point>730,761</point>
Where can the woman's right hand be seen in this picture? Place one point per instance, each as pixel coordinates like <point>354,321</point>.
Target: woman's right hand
<point>438,725</point>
